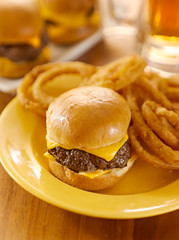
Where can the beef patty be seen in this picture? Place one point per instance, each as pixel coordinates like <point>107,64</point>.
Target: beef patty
<point>23,52</point>
<point>79,160</point>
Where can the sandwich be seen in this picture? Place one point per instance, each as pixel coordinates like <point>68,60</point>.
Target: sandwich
<point>23,40</point>
<point>87,139</point>
<point>69,21</point>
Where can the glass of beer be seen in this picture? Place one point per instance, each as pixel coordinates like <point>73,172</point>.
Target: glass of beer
<point>69,21</point>
<point>159,34</point>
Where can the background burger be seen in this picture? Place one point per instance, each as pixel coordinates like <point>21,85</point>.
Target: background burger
<point>87,137</point>
<point>69,21</point>
<point>23,41</point>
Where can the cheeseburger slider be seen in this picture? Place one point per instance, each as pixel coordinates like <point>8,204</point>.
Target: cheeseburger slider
<point>87,137</point>
<point>69,21</point>
<point>23,41</point>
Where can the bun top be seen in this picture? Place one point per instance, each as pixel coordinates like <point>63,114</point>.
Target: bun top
<point>88,117</point>
<point>20,21</point>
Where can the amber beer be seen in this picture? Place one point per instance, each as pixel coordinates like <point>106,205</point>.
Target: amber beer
<point>164,19</point>
<point>159,35</point>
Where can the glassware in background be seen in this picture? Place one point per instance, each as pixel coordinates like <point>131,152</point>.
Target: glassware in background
<point>120,20</point>
<point>70,21</point>
<point>120,17</point>
<point>159,38</point>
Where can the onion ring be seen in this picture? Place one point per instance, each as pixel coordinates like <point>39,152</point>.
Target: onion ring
<point>151,140</point>
<point>174,81</point>
<point>148,113</point>
<point>171,116</point>
<point>24,92</point>
<point>169,126</point>
<point>32,97</point>
<point>157,81</point>
<point>118,74</point>
<point>85,70</point>
<point>158,96</point>
<point>168,86</point>
<point>172,93</point>
<point>145,155</point>
<point>176,107</point>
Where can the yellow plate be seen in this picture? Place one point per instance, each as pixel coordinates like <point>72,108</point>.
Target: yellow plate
<point>144,191</point>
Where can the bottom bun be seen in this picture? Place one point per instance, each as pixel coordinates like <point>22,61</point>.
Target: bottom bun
<point>72,178</point>
<point>10,69</point>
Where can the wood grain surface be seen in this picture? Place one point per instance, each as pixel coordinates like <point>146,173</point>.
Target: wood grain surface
<point>23,216</point>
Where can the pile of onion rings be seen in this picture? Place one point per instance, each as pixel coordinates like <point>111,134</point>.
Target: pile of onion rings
<point>153,100</point>
<point>154,132</point>
<point>118,74</point>
<point>171,89</point>
<point>115,75</point>
<point>168,86</point>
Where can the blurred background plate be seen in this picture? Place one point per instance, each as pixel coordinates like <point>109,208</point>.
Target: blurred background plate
<point>58,54</point>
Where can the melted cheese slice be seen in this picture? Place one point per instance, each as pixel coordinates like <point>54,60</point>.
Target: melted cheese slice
<point>106,153</point>
<point>35,41</point>
<point>49,156</point>
<point>94,174</point>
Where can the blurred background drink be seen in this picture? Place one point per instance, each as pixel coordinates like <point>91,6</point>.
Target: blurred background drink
<point>120,17</point>
<point>119,20</point>
<point>164,19</point>
<point>160,34</point>
<point>69,21</point>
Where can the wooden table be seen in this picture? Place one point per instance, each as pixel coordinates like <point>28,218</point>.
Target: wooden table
<point>23,216</point>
